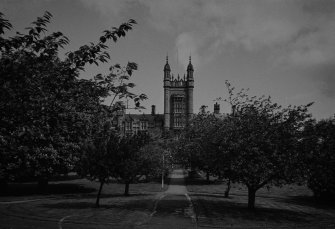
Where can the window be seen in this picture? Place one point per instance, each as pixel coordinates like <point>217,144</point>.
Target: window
<point>144,125</point>
<point>128,125</point>
<point>178,104</point>
<point>178,122</point>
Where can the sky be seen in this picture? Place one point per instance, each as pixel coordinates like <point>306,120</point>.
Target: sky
<point>281,48</point>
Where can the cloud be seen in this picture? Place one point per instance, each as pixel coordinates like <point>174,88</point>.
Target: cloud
<point>187,46</point>
<point>328,85</point>
<point>301,31</point>
<point>108,8</point>
<point>325,75</point>
<point>297,32</point>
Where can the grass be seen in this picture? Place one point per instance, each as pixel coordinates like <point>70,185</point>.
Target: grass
<point>290,206</point>
<point>75,185</point>
<point>75,200</point>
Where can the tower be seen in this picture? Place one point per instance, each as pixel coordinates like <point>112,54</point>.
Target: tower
<point>178,97</point>
<point>167,84</point>
<point>190,86</point>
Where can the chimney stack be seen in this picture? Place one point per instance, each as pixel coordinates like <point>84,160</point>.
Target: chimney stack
<point>153,110</point>
<point>216,108</point>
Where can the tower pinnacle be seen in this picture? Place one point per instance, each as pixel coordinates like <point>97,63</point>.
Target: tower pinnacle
<point>167,66</point>
<point>190,66</point>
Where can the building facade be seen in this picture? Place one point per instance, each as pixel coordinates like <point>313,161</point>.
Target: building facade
<point>134,123</point>
<point>178,106</point>
<point>178,97</point>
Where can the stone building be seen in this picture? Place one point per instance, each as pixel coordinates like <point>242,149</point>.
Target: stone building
<point>135,123</point>
<point>178,106</point>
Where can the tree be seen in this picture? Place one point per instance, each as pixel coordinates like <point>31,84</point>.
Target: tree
<point>130,160</point>
<point>97,160</point>
<point>220,138</point>
<point>32,108</point>
<point>203,144</point>
<point>101,148</point>
<point>158,159</point>
<point>318,153</point>
<point>46,111</point>
<point>195,147</point>
<point>263,146</point>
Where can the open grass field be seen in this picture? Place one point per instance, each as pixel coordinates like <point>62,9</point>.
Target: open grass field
<point>70,204</point>
<point>290,206</point>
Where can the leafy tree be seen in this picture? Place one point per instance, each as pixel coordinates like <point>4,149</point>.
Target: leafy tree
<point>126,158</point>
<point>202,144</point>
<point>185,152</point>
<point>187,148</point>
<point>131,162</point>
<point>263,142</point>
<point>97,160</point>
<point>158,159</point>
<point>45,109</point>
<point>195,148</point>
<point>32,108</point>
<point>318,151</point>
<point>220,137</point>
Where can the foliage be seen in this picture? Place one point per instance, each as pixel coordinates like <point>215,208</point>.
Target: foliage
<point>97,159</point>
<point>46,111</point>
<point>157,159</point>
<point>318,151</point>
<point>132,163</point>
<point>264,141</point>
<point>126,158</point>
<point>194,148</point>
<point>257,144</point>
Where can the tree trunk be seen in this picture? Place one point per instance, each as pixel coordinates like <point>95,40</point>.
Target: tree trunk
<point>97,203</point>
<point>220,176</point>
<point>226,193</point>
<point>251,198</point>
<point>207,176</point>
<point>126,189</point>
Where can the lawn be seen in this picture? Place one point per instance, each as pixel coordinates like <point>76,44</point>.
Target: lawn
<point>290,206</point>
<point>71,204</point>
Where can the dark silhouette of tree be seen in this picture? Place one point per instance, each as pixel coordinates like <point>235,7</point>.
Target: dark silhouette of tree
<point>257,144</point>
<point>131,162</point>
<point>319,157</point>
<point>97,161</point>
<point>263,146</point>
<point>46,111</point>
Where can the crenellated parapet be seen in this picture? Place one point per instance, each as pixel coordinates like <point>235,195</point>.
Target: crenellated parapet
<point>178,81</point>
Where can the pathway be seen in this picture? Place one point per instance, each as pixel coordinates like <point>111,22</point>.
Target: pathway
<point>174,207</point>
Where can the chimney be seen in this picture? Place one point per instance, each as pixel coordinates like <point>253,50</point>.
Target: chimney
<point>216,108</point>
<point>153,110</point>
